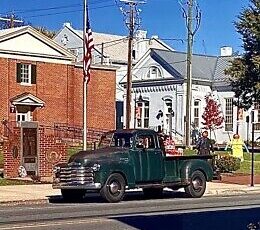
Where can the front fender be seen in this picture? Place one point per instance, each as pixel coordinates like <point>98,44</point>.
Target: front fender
<point>125,169</point>
<point>190,166</point>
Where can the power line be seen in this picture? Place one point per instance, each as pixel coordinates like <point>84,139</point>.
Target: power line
<point>71,11</point>
<point>57,7</point>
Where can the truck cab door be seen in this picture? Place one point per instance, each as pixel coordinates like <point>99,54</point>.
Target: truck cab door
<point>155,166</point>
<point>148,159</point>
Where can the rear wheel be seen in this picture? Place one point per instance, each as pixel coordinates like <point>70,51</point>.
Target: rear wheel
<point>114,189</point>
<point>153,192</point>
<point>73,194</point>
<point>197,186</point>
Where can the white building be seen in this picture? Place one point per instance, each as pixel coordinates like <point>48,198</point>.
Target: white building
<point>159,77</point>
<point>110,49</point>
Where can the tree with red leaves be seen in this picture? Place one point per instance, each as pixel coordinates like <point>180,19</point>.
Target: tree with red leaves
<point>213,116</point>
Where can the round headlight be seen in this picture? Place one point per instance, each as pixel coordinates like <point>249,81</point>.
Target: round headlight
<point>56,169</point>
<point>96,167</point>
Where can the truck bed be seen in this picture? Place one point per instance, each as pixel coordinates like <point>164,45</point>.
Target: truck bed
<point>177,157</point>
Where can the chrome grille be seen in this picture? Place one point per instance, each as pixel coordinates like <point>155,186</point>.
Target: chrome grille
<point>75,173</point>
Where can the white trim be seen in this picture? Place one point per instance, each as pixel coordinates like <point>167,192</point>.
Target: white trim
<point>153,76</point>
<point>34,101</point>
<point>30,30</point>
<point>27,116</point>
<point>35,58</point>
<point>169,97</point>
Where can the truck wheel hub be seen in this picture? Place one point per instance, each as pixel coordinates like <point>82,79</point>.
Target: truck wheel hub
<point>114,187</point>
<point>197,184</point>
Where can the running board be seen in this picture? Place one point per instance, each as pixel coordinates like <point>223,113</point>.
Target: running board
<point>163,185</point>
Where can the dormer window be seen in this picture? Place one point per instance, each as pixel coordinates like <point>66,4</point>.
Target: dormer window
<point>154,72</point>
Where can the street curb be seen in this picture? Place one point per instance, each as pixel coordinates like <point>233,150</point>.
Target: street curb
<point>23,202</point>
<point>216,193</point>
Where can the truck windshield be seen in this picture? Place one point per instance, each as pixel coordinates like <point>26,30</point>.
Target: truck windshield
<point>112,139</point>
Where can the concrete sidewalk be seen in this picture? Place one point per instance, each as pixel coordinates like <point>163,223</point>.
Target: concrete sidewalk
<point>20,193</point>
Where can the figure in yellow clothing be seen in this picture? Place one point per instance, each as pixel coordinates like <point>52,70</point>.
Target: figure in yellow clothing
<point>237,145</point>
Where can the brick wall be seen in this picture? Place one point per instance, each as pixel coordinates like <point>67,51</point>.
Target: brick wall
<point>52,152</point>
<point>60,87</point>
<point>12,161</point>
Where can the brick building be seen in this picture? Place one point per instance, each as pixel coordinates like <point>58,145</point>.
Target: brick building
<point>41,84</point>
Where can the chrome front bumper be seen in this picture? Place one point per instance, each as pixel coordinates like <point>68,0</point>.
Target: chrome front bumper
<point>88,186</point>
<point>74,176</point>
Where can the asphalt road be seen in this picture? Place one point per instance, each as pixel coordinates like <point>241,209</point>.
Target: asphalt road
<point>171,212</point>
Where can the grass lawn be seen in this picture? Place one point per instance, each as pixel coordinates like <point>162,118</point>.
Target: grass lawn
<point>4,182</point>
<point>245,167</point>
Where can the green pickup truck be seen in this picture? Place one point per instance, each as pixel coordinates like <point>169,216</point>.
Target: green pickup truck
<point>129,159</point>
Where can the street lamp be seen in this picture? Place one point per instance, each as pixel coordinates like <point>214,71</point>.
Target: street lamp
<point>252,149</point>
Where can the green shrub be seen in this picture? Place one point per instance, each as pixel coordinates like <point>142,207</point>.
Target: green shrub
<point>213,141</point>
<point>228,164</point>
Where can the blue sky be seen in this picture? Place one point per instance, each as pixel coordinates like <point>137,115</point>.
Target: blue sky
<point>159,17</point>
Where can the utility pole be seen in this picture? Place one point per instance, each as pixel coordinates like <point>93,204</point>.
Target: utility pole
<point>12,20</point>
<point>189,74</point>
<point>191,30</point>
<point>132,21</point>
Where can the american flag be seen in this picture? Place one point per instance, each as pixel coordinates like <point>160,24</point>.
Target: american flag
<point>88,46</point>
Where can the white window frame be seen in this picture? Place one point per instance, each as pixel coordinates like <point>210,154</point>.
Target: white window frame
<point>144,110</point>
<point>229,111</point>
<point>257,124</point>
<point>26,116</point>
<point>168,105</point>
<point>196,113</point>
<point>24,74</point>
<point>154,72</point>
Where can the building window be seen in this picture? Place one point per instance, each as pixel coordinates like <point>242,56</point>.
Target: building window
<point>21,117</point>
<point>26,74</point>
<point>142,114</point>
<point>229,114</point>
<point>257,124</point>
<point>168,115</point>
<point>154,72</point>
<point>196,113</point>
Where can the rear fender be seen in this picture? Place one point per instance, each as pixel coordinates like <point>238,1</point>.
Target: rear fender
<point>190,166</point>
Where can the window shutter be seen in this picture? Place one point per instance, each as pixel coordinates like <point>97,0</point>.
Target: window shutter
<point>18,72</point>
<point>33,74</point>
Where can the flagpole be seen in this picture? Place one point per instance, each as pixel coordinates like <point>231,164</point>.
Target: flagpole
<point>85,88</point>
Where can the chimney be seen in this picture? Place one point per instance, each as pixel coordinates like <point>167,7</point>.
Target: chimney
<point>67,24</point>
<point>141,34</point>
<point>226,51</point>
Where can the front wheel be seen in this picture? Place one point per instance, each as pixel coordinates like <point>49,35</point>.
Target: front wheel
<point>73,194</point>
<point>114,189</point>
<point>197,186</point>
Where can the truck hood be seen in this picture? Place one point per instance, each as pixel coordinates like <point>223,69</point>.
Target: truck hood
<point>103,154</point>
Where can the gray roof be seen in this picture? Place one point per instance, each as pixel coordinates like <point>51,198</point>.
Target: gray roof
<point>221,81</point>
<point>222,64</point>
<point>115,46</point>
<point>203,66</point>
